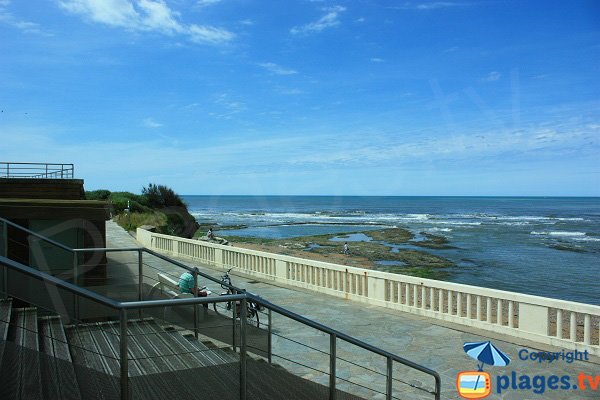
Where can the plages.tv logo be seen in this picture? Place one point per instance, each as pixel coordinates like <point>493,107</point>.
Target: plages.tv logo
<point>478,384</point>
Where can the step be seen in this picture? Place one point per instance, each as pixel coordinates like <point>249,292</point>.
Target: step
<point>58,374</point>
<point>267,382</point>
<point>218,363</point>
<point>20,371</point>
<point>156,347</point>
<point>92,367</point>
<point>206,355</point>
<point>5,309</point>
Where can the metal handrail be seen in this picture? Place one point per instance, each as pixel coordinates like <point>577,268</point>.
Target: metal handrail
<point>37,170</point>
<point>338,334</point>
<point>107,301</point>
<point>37,235</point>
<point>60,283</point>
<point>115,249</point>
<point>242,297</point>
<point>162,257</point>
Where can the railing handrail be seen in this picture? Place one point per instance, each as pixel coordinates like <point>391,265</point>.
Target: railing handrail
<point>38,170</point>
<point>126,305</point>
<point>60,283</point>
<point>117,249</point>
<point>37,235</point>
<point>340,335</point>
<point>107,301</point>
<point>123,306</point>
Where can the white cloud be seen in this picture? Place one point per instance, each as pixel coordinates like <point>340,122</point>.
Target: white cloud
<point>25,26</point>
<point>492,76</point>
<point>477,144</point>
<point>277,69</point>
<point>144,16</point>
<point>377,60</point>
<point>203,3</point>
<point>227,163</point>
<point>290,92</point>
<point>229,106</point>
<point>191,106</point>
<point>428,6</point>
<point>330,19</point>
<point>150,123</point>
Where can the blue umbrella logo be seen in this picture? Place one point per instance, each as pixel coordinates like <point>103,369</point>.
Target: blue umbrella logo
<point>486,353</point>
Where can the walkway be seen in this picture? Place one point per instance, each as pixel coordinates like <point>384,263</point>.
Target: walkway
<point>422,340</point>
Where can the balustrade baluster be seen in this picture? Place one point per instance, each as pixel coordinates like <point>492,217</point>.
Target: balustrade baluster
<point>559,323</point>
<point>469,306</point>
<point>499,312</point>
<point>587,329</point>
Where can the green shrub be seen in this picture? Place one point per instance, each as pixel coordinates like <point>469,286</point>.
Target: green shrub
<point>161,196</point>
<point>158,206</point>
<point>101,194</point>
<point>137,203</point>
<point>133,220</point>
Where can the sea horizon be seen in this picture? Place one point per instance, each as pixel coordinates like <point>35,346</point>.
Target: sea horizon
<point>409,196</point>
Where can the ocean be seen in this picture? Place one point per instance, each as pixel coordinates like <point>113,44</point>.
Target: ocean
<point>546,246</point>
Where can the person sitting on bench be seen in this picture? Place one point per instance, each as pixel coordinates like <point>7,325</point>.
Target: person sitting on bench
<point>187,284</point>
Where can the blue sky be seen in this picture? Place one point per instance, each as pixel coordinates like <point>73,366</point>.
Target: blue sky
<point>306,97</point>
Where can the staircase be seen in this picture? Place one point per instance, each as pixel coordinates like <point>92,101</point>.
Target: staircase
<point>40,358</point>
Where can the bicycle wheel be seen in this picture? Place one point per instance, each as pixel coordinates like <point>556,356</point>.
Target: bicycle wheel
<point>223,309</point>
<point>252,317</point>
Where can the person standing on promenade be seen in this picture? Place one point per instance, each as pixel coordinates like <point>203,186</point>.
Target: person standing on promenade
<point>346,248</point>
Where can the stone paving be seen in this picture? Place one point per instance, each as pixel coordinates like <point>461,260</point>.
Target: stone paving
<point>425,341</point>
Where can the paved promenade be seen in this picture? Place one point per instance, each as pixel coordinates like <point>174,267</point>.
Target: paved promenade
<point>422,340</point>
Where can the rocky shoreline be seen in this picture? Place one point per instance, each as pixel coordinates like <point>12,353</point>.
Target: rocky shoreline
<point>379,249</point>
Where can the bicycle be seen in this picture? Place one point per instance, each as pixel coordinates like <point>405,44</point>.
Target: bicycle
<point>252,308</point>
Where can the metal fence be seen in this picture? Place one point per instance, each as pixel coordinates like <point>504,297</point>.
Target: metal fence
<point>73,303</point>
<point>36,170</point>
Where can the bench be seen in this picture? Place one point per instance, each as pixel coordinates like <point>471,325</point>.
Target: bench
<point>169,286</point>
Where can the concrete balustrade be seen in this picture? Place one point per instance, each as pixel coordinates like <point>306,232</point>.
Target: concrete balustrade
<point>565,324</point>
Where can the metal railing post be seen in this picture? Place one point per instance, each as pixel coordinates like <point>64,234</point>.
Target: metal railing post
<point>438,387</point>
<point>76,283</point>
<point>332,364</point>
<point>5,251</point>
<point>388,384</point>
<point>233,317</point>
<point>243,314</point>
<point>5,239</point>
<point>196,305</point>
<point>269,339</point>
<point>140,279</point>
<point>123,355</point>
